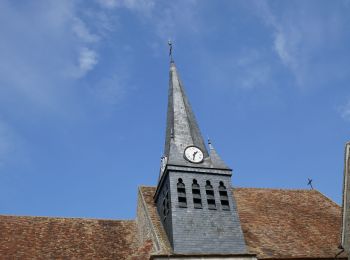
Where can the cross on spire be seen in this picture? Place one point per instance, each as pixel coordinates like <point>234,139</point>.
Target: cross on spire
<point>170,43</point>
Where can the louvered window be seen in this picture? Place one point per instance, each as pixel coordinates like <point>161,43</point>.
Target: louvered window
<point>223,197</point>
<point>196,193</point>
<point>210,195</point>
<point>181,193</point>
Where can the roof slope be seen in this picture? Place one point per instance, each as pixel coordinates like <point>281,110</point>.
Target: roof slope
<point>283,224</point>
<point>289,223</point>
<point>68,238</point>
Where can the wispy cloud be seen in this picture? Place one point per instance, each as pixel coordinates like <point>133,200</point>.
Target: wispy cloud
<point>301,36</point>
<point>144,6</point>
<point>38,67</point>
<point>86,62</point>
<point>345,111</point>
<point>251,70</point>
<point>167,18</point>
<point>82,31</point>
<point>175,18</point>
<point>246,69</point>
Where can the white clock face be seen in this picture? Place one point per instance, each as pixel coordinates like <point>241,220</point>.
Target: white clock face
<point>193,154</point>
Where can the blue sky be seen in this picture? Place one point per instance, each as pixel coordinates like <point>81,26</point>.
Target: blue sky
<point>83,92</point>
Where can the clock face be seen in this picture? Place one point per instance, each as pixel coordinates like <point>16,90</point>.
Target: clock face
<point>193,154</point>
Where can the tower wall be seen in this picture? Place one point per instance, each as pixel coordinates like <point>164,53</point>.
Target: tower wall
<point>164,207</point>
<point>204,230</point>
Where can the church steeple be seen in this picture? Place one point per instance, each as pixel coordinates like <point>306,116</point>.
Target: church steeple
<point>194,195</point>
<point>182,129</point>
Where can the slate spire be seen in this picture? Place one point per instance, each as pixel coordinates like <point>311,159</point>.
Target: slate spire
<point>194,195</point>
<point>182,129</point>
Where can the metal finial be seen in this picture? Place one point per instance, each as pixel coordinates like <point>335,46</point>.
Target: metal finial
<point>209,144</point>
<point>310,183</point>
<point>170,43</point>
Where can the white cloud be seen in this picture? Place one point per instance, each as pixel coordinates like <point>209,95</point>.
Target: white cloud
<point>39,67</point>
<point>345,111</point>
<point>144,6</point>
<point>302,33</point>
<point>82,32</point>
<point>87,60</point>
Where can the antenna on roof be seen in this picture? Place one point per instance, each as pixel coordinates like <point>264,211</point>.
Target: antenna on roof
<point>309,182</point>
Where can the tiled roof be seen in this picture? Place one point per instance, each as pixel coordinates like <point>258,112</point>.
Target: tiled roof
<point>68,238</point>
<point>277,224</point>
<point>282,224</point>
<point>289,223</point>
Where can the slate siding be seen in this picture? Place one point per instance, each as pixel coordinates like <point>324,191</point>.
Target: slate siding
<point>204,230</point>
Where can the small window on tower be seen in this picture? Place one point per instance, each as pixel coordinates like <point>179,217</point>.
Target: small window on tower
<point>166,205</point>
<point>223,197</point>
<point>181,193</point>
<point>196,193</point>
<point>210,195</point>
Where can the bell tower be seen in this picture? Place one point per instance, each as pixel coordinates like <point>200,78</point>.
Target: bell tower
<point>194,195</point>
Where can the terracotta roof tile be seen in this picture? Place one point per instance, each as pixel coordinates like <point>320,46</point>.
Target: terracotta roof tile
<point>68,238</point>
<point>277,224</point>
<point>289,223</point>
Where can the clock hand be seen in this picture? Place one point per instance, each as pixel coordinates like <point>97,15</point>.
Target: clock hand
<point>194,154</point>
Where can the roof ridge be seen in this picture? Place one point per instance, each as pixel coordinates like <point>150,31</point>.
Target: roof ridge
<point>329,199</point>
<point>280,189</point>
<point>70,218</point>
<point>254,188</point>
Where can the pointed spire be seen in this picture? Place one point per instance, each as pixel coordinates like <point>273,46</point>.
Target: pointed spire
<point>182,129</point>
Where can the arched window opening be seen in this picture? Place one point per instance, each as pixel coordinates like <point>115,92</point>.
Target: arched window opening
<point>210,195</point>
<point>181,193</point>
<point>223,197</point>
<point>196,193</point>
